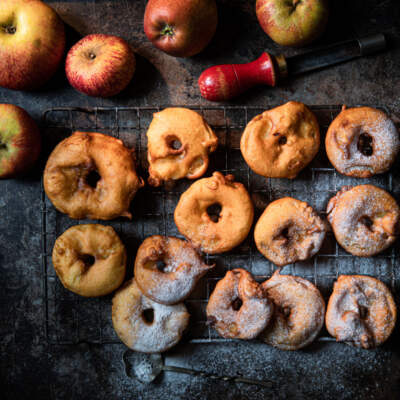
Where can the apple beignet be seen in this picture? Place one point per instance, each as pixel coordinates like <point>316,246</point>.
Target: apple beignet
<point>179,141</point>
<point>282,141</point>
<point>91,175</point>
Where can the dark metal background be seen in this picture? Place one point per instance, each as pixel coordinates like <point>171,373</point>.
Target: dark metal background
<point>30,367</point>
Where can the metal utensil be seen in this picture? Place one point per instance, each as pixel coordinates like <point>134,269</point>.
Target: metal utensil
<point>147,367</point>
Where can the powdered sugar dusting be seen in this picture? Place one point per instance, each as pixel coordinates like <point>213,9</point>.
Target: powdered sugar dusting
<point>361,311</point>
<point>343,138</point>
<point>183,268</point>
<point>299,312</point>
<point>252,316</point>
<point>364,219</point>
<point>163,333</point>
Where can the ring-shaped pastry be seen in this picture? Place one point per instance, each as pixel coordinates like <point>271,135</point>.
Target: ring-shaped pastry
<point>362,142</point>
<point>299,312</point>
<point>144,325</point>
<point>364,219</point>
<point>361,311</point>
<point>167,269</point>
<point>282,141</point>
<point>91,175</point>
<point>237,307</point>
<point>289,230</point>
<point>179,141</point>
<point>215,233</point>
<point>90,259</point>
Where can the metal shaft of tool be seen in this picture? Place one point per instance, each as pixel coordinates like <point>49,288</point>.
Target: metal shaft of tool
<point>335,54</point>
<point>237,379</point>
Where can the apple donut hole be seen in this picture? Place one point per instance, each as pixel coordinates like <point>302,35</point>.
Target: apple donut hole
<point>100,65</point>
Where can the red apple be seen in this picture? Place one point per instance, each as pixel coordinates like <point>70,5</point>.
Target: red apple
<point>20,141</point>
<point>292,22</point>
<point>181,28</point>
<point>100,65</point>
<point>32,42</point>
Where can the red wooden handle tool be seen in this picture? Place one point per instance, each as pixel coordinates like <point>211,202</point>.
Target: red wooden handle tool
<point>223,82</point>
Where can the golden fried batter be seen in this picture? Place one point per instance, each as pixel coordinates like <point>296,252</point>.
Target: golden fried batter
<point>179,142</point>
<point>91,175</point>
<point>280,142</point>
<point>230,228</point>
<point>90,259</point>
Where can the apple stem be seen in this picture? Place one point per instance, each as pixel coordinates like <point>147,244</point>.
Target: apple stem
<point>167,30</point>
<point>295,2</point>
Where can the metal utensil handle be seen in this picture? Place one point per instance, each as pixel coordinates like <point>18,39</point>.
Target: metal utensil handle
<point>202,374</point>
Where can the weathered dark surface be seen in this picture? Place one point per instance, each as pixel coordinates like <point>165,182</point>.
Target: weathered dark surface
<point>32,368</point>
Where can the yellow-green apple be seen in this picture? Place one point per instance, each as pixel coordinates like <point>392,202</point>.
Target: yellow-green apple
<point>100,65</point>
<point>32,43</point>
<point>181,28</point>
<point>20,141</point>
<point>292,22</point>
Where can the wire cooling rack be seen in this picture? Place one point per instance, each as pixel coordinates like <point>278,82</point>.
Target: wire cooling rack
<point>73,319</point>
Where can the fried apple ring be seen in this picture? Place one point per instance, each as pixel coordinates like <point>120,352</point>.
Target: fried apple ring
<point>144,325</point>
<point>91,175</point>
<point>299,311</point>
<point>179,142</point>
<point>167,269</point>
<point>361,311</point>
<point>289,230</point>
<point>90,260</point>
<point>364,219</point>
<point>282,141</point>
<point>215,233</point>
<point>237,307</point>
<point>362,142</point>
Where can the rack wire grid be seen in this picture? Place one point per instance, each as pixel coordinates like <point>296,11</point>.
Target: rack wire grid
<point>73,319</point>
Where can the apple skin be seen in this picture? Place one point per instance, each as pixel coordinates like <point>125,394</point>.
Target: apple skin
<point>181,28</point>
<point>20,141</point>
<point>100,65</point>
<point>293,23</point>
<point>32,43</point>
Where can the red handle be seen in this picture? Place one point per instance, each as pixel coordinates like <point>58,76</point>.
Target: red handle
<point>223,82</point>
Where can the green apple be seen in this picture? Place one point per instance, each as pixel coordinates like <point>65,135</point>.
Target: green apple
<point>19,141</point>
<point>292,22</point>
